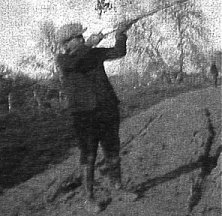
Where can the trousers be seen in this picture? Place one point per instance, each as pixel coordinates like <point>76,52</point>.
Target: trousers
<point>100,125</point>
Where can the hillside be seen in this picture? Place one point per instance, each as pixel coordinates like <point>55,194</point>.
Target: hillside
<point>170,158</point>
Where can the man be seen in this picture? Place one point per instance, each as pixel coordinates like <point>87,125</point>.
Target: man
<point>214,72</point>
<point>92,101</point>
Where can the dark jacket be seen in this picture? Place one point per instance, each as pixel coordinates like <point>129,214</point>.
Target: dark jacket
<point>84,79</point>
<point>213,70</point>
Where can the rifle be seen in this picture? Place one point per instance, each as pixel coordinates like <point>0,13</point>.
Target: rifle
<point>150,13</point>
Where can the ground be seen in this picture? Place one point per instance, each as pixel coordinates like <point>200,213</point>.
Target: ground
<point>170,158</point>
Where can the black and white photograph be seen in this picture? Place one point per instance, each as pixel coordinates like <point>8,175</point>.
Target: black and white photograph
<point>110,107</point>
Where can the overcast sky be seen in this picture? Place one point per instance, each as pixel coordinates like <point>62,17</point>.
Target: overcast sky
<point>19,21</point>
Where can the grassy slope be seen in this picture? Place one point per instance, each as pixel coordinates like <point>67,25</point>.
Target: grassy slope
<point>47,142</point>
<point>145,97</point>
<point>28,146</point>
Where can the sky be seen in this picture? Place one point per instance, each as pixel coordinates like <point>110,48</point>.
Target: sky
<point>19,22</point>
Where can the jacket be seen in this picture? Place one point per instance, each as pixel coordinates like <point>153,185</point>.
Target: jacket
<point>84,80</point>
<point>213,70</point>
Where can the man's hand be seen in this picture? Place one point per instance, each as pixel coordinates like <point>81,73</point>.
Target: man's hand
<point>94,39</point>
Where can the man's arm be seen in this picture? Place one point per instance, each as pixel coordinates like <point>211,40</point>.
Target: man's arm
<point>91,60</point>
<point>94,40</point>
<point>118,51</point>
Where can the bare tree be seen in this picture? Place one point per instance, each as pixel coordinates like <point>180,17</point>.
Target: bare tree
<point>47,44</point>
<point>188,22</point>
<point>102,6</point>
<point>6,83</point>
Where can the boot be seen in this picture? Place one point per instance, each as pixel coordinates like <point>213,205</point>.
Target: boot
<point>115,179</point>
<point>92,206</point>
<point>90,203</point>
<point>118,191</point>
<point>121,194</point>
<point>114,173</point>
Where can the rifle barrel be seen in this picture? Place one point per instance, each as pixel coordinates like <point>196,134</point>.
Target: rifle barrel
<point>150,13</point>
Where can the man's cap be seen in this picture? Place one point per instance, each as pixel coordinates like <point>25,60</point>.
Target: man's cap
<point>68,31</point>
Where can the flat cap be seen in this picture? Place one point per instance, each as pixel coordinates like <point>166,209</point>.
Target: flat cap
<point>67,31</point>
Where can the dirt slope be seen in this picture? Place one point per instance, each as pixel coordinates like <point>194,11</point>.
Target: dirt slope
<point>170,158</point>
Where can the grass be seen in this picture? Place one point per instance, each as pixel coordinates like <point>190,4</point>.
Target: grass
<point>156,166</point>
<point>142,98</point>
<point>29,144</point>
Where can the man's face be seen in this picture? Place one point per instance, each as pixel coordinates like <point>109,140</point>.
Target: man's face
<point>75,42</point>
